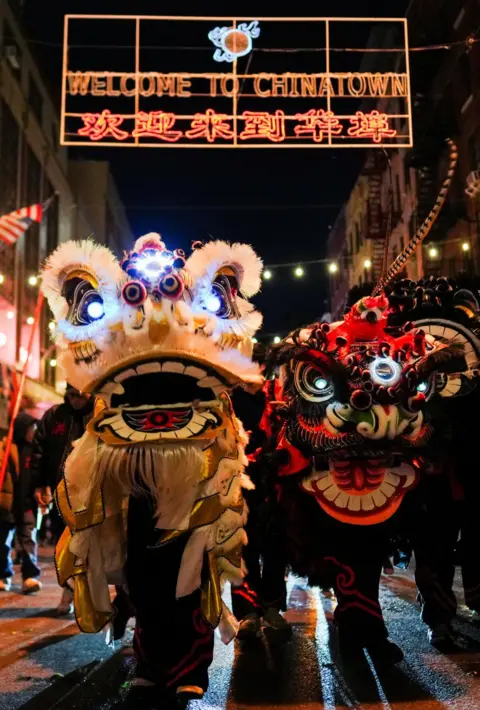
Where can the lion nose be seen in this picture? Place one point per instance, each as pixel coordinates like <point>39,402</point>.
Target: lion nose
<point>371,317</point>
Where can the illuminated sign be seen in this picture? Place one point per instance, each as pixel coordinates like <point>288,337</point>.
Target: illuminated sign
<point>169,93</point>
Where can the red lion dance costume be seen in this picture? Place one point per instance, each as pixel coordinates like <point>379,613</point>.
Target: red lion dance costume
<point>152,493</point>
<point>356,401</point>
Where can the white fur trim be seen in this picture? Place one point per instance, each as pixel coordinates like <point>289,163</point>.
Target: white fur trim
<point>151,237</point>
<point>93,258</point>
<point>205,263</point>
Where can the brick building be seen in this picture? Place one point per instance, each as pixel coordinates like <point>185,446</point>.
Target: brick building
<point>34,167</point>
<point>401,189</point>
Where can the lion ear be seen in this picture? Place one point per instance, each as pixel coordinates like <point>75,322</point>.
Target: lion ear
<point>86,261</point>
<point>236,260</point>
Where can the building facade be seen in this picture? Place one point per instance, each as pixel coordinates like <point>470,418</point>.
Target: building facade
<point>33,168</point>
<point>394,193</point>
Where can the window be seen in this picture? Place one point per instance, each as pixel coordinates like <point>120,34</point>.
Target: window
<point>35,99</point>
<point>357,238</point>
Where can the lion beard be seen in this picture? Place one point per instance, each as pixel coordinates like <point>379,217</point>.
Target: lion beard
<point>168,473</point>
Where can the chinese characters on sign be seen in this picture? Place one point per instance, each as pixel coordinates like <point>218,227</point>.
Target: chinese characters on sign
<point>317,124</point>
<point>143,104</point>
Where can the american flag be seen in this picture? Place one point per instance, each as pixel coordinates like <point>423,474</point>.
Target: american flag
<point>13,225</point>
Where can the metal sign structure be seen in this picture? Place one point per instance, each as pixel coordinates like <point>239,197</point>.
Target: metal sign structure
<point>225,82</point>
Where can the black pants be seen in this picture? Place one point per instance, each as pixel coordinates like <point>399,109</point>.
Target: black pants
<point>26,534</point>
<point>265,560</point>
<point>173,641</point>
<point>436,521</point>
<point>344,556</point>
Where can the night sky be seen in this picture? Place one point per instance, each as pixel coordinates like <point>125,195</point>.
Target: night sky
<point>280,201</point>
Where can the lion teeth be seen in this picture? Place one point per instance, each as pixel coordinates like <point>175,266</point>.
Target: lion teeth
<point>110,388</point>
<point>379,498</point>
<point>367,502</point>
<point>176,367</point>
<point>354,503</point>
<point>125,375</point>
<point>195,372</point>
<point>148,367</point>
<point>392,478</point>
<point>210,382</point>
<point>332,493</point>
<point>387,489</point>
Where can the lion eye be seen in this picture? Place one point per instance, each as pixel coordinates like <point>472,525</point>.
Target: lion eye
<point>313,384</point>
<point>85,303</point>
<point>221,299</point>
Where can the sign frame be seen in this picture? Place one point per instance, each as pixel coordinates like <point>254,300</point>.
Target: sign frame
<point>234,117</point>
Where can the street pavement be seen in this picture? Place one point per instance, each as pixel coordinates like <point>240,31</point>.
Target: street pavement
<point>46,664</point>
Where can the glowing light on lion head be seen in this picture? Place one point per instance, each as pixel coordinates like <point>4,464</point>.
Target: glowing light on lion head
<point>158,337</point>
<point>160,340</point>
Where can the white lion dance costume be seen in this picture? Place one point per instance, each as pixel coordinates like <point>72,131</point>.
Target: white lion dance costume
<point>152,493</point>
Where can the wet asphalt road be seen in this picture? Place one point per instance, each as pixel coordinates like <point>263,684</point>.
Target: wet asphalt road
<point>45,663</point>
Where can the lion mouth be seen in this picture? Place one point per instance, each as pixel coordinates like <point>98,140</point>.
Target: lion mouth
<point>159,399</point>
<point>362,492</point>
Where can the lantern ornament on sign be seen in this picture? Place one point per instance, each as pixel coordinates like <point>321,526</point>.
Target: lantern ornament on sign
<point>233,42</point>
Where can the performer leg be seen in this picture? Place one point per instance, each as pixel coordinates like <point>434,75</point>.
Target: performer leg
<point>7,532</point>
<point>356,566</point>
<point>27,539</point>
<point>246,598</point>
<point>173,642</point>
<point>434,535</point>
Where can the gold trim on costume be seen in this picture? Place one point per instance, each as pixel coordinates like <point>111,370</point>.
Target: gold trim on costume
<point>89,620</point>
<point>80,273</point>
<point>81,519</point>
<point>211,594</point>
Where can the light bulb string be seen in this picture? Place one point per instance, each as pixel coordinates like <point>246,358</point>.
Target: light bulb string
<point>467,42</point>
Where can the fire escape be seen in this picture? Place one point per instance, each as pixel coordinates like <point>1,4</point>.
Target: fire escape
<point>375,220</point>
<point>429,158</point>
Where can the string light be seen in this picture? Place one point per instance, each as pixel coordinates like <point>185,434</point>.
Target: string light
<point>2,279</point>
<point>53,362</point>
<point>299,272</point>
<point>367,264</point>
<point>10,315</point>
<point>276,339</point>
<point>32,280</point>
<point>267,275</point>
<point>333,268</point>
<point>30,320</point>
<point>254,340</point>
<point>51,325</point>
<point>433,252</point>
<point>3,340</point>
<point>466,246</point>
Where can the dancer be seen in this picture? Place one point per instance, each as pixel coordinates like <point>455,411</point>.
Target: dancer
<point>152,492</point>
<point>355,402</point>
<point>59,427</point>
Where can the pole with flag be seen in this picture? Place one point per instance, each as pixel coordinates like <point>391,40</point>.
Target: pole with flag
<point>12,227</point>
<point>15,224</point>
